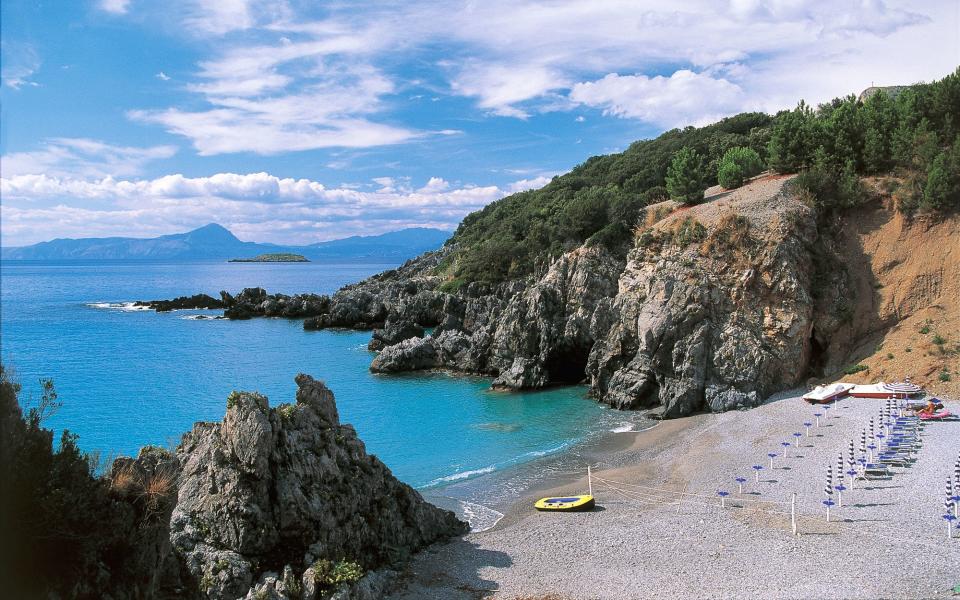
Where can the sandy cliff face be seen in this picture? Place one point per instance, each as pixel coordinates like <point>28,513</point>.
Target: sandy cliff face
<point>906,272</point>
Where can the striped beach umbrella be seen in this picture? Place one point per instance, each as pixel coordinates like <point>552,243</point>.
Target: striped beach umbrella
<point>851,464</point>
<point>954,496</point>
<point>949,510</point>
<point>828,490</point>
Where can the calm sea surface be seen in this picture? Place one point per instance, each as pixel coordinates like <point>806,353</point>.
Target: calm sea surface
<point>130,377</point>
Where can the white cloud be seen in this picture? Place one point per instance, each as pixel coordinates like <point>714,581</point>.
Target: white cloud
<point>501,87</point>
<point>18,62</point>
<point>528,184</point>
<point>162,76</point>
<point>284,78</point>
<point>262,206</point>
<point>292,96</point>
<point>684,98</point>
<point>117,7</point>
<point>81,157</point>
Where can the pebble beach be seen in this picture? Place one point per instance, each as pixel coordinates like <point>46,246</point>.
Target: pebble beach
<point>659,530</point>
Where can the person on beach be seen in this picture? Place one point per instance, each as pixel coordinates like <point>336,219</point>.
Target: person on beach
<point>933,405</point>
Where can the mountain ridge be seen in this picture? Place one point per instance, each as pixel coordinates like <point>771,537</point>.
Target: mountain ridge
<point>213,241</point>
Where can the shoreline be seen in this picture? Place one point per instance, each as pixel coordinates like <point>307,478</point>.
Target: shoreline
<point>659,532</point>
<point>504,490</point>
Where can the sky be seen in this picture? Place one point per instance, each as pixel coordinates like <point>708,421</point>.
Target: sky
<point>294,122</point>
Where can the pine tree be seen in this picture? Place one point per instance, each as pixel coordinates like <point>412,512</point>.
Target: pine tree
<point>685,177</point>
<point>791,141</point>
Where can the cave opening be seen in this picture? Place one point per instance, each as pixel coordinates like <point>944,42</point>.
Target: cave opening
<point>818,356</point>
<point>567,364</point>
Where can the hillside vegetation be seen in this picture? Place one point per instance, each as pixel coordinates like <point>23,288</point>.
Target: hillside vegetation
<point>914,135</point>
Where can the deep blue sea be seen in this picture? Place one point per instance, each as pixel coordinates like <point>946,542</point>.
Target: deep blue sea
<point>133,377</point>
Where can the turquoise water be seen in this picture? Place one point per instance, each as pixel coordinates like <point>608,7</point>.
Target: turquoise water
<point>129,378</point>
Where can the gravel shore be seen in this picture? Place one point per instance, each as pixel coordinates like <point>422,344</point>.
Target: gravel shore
<point>887,541</point>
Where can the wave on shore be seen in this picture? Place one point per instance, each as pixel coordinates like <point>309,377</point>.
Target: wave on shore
<point>123,306</point>
<point>473,473</point>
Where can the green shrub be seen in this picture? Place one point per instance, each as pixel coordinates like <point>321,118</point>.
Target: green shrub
<point>688,231</point>
<point>685,177</point>
<point>451,286</point>
<point>889,356</point>
<point>737,165</point>
<point>944,376</point>
<point>286,411</point>
<point>939,339</point>
<point>830,187</point>
<point>330,575</point>
<point>924,330</point>
<point>855,369</point>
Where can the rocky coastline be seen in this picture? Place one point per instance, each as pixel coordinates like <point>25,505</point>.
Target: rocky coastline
<point>715,307</point>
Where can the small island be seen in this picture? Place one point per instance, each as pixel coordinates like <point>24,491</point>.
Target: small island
<point>271,258</point>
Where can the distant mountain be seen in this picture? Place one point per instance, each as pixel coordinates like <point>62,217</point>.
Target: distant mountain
<point>216,242</point>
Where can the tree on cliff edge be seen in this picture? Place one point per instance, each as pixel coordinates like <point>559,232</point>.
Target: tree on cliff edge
<point>685,177</point>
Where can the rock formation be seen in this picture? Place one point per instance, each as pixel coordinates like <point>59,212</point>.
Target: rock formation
<point>714,309</point>
<point>272,493</point>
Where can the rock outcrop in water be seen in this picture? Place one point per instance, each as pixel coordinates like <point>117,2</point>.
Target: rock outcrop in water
<point>268,495</point>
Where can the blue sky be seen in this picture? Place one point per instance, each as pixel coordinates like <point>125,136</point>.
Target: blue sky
<point>296,122</point>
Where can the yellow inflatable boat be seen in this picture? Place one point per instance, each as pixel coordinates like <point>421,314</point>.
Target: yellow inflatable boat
<point>565,503</point>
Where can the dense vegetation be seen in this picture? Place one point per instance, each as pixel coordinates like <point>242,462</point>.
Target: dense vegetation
<point>66,531</point>
<point>913,133</point>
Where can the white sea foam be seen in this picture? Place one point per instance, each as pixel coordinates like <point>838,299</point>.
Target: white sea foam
<point>201,318</point>
<point>123,306</point>
<point>480,517</point>
<point>625,428</point>
<point>539,453</point>
<point>460,476</point>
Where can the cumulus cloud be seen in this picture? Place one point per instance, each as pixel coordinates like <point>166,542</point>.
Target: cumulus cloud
<point>82,157</point>
<point>684,98</point>
<point>265,207</point>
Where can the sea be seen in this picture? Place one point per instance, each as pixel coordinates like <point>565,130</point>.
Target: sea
<point>129,377</point>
